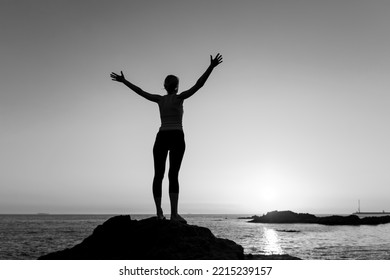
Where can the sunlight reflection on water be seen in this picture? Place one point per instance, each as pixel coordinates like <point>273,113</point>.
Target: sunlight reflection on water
<point>271,240</point>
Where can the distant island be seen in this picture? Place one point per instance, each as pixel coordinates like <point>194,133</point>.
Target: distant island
<point>247,218</point>
<point>289,217</point>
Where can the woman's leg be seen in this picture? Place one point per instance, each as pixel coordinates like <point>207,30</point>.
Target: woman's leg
<point>159,156</point>
<point>175,158</point>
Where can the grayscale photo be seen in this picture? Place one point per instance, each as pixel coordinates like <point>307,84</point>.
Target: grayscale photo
<point>195,130</point>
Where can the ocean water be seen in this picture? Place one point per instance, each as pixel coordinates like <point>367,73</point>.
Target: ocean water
<point>24,237</point>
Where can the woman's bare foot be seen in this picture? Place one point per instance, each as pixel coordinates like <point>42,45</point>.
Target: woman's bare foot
<point>178,218</point>
<point>160,215</point>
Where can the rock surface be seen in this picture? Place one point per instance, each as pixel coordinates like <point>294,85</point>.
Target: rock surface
<point>151,239</point>
<point>291,217</point>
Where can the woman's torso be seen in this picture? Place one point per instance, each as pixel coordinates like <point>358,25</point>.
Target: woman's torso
<point>171,112</point>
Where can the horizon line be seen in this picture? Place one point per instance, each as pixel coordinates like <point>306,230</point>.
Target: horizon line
<point>152,214</point>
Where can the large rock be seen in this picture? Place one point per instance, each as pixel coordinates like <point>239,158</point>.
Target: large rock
<point>152,239</point>
<point>291,217</point>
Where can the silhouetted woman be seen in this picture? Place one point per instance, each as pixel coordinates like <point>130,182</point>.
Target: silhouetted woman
<point>170,136</point>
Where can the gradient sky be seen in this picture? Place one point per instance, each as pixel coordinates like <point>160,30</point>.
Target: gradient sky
<point>296,117</point>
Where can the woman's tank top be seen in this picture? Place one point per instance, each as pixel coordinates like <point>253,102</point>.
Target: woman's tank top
<point>171,112</point>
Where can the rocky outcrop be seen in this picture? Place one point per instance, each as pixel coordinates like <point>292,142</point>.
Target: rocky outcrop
<point>151,239</point>
<point>284,217</point>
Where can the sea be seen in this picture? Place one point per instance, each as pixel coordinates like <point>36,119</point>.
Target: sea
<point>26,237</point>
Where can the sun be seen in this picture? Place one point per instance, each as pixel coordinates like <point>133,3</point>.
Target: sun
<point>270,194</point>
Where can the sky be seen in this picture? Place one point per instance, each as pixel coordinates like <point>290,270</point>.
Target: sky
<point>295,118</point>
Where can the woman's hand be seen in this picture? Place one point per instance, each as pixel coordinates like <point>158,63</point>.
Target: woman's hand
<point>214,62</point>
<point>118,78</point>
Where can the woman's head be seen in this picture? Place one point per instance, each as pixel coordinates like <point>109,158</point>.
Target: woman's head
<point>171,84</point>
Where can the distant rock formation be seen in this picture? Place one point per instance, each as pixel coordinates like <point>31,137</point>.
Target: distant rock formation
<point>151,239</point>
<point>287,230</point>
<point>247,218</point>
<point>284,217</point>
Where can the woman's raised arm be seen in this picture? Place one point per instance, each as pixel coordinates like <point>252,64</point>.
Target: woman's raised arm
<point>121,79</point>
<point>214,62</point>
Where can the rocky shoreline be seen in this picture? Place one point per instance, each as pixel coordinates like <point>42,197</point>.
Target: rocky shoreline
<point>285,217</point>
<point>121,238</point>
